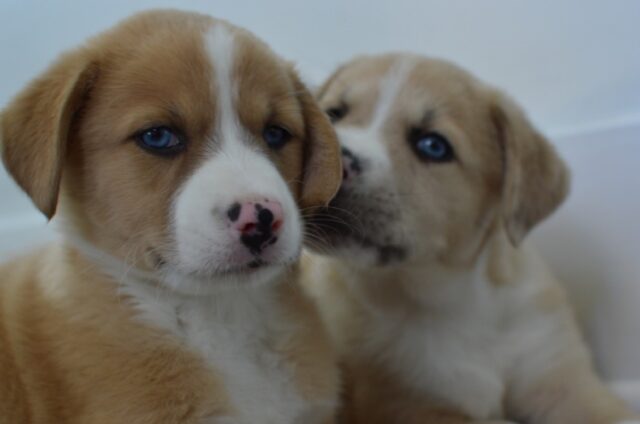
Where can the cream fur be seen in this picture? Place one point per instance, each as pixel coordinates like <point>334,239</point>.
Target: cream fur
<point>467,325</point>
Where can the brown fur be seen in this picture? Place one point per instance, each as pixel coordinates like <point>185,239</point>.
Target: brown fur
<point>71,349</point>
<point>461,220</point>
<point>489,134</point>
<point>79,356</point>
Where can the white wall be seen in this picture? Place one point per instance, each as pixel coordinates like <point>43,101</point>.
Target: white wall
<point>593,244</point>
<point>574,65</point>
<point>570,62</point>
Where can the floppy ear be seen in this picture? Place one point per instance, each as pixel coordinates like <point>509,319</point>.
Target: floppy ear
<point>322,172</point>
<point>322,90</point>
<point>535,179</point>
<point>35,128</point>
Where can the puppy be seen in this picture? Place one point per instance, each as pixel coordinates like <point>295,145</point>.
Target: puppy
<point>175,150</point>
<point>440,311</point>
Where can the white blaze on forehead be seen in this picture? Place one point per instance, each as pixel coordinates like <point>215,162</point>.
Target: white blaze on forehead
<point>206,245</point>
<point>368,142</point>
<point>390,87</point>
<point>229,135</point>
<point>221,49</point>
<point>235,170</point>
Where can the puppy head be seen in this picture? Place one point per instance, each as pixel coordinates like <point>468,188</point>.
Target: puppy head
<point>179,144</point>
<point>434,162</point>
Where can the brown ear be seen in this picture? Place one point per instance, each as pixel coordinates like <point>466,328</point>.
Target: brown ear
<point>535,180</point>
<point>322,158</point>
<point>35,127</point>
<point>322,90</point>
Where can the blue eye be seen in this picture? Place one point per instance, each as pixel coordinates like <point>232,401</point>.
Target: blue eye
<point>433,147</point>
<point>275,136</point>
<point>160,140</point>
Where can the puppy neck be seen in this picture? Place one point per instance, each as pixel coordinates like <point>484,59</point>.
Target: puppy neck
<point>127,276</point>
<point>428,283</point>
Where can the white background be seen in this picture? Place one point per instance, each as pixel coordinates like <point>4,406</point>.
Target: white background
<point>574,65</point>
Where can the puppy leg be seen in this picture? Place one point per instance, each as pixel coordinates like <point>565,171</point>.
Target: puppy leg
<point>568,392</point>
<point>571,397</point>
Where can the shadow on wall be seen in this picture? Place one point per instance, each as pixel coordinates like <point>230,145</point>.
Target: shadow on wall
<point>593,241</point>
<point>605,303</point>
<point>581,263</point>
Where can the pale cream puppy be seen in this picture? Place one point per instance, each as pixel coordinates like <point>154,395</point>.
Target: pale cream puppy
<point>176,152</point>
<point>440,310</point>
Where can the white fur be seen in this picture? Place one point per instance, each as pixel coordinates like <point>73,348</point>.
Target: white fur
<point>231,331</point>
<point>367,141</point>
<point>464,349</point>
<point>456,351</point>
<point>390,88</point>
<point>233,172</point>
<point>452,353</point>
<point>471,340</point>
<point>455,335</point>
<point>235,323</point>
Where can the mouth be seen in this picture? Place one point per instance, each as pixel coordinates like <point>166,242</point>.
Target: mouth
<point>336,231</point>
<point>386,253</point>
<point>247,269</point>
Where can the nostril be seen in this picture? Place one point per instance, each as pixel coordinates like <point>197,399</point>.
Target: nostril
<point>234,212</point>
<point>350,164</point>
<point>265,217</point>
<point>257,223</point>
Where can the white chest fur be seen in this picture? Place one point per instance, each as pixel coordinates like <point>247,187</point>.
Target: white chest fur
<point>456,361</point>
<point>237,332</point>
<point>463,348</point>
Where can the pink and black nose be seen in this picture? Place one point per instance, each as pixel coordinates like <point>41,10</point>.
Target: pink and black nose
<point>257,223</point>
<point>351,166</point>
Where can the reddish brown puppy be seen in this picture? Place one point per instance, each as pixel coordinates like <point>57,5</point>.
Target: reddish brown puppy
<point>176,152</point>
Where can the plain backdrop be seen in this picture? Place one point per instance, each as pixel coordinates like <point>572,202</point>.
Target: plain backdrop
<point>574,65</point>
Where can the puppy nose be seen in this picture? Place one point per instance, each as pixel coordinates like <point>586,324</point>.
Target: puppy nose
<point>350,165</point>
<point>257,223</point>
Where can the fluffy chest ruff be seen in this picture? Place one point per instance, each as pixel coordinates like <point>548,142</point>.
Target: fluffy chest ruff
<point>248,337</point>
<point>469,331</point>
